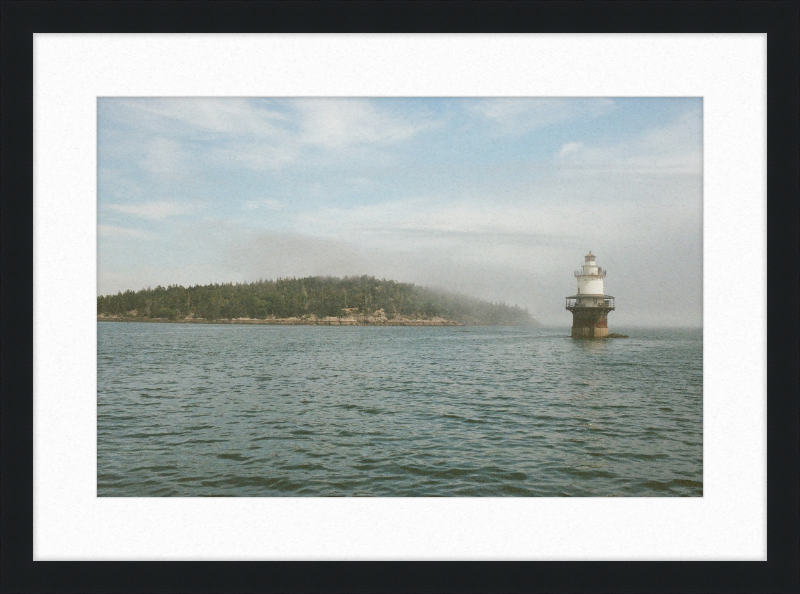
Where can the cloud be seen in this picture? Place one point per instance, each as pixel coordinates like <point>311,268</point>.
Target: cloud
<point>257,156</point>
<point>114,231</point>
<point>265,204</point>
<point>327,131</point>
<point>570,147</point>
<point>674,148</point>
<point>116,184</point>
<point>517,116</point>
<point>154,211</point>
<point>163,156</point>
<point>223,116</point>
<point>262,134</point>
<point>336,123</point>
<point>432,219</point>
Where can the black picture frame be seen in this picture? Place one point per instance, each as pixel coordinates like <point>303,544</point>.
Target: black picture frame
<point>18,573</point>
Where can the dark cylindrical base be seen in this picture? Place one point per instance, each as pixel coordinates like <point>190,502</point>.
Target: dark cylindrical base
<point>589,322</point>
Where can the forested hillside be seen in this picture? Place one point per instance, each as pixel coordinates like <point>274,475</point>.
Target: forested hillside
<point>313,296</point>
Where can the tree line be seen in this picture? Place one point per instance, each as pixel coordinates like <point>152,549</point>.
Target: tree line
<point>316,295</point>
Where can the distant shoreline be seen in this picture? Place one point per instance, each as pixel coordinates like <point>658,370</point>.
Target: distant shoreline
<point>313,301</point>
<point>349,321</point>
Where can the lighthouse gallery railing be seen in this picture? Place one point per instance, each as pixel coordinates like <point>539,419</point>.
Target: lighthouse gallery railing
<point>573,302</point>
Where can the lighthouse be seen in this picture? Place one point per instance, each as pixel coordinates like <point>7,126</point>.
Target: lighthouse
<point>591,305</point>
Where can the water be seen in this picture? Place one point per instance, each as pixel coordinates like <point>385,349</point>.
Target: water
<point>226,410</point>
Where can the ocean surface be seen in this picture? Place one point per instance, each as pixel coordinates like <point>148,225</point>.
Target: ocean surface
<point>267,411</point>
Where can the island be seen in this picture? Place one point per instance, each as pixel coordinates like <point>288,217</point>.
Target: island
<point>316,300</point>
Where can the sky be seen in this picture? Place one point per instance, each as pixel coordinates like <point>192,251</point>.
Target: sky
<point>499,198</point>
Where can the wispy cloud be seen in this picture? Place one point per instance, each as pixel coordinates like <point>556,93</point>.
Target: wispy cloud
<point>154,211</point>
<point>570,147</point>
<point>519,116</point>
<point>674,148</point>
<point>337,123</point>
<point>266,204</point>
<point>263,134</point>
<point>114,231</point>
<point>438,221</point>
<point>163,155</point>
<point>224,116</point>
<point>257,156</point>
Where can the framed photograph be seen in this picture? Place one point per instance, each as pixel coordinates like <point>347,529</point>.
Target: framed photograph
<point>403,337</point>
<point>336,290</point>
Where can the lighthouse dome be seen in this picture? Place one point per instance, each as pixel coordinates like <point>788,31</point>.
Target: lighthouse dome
<point>590,256</point>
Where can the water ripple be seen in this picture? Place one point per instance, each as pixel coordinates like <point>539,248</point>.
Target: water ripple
<point>254,411</point>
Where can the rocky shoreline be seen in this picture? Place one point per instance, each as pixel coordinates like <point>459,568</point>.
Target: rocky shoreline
<point>352,320</point>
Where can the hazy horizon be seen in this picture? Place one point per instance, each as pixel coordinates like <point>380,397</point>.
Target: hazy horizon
<point>495,198</point>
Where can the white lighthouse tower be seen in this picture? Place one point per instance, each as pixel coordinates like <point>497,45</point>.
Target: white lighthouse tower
<point>590,306</point>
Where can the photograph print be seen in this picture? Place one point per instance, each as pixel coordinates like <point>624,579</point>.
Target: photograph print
<point>399,297</point>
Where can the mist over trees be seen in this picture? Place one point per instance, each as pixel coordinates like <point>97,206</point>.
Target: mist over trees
<point>312,296</point>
